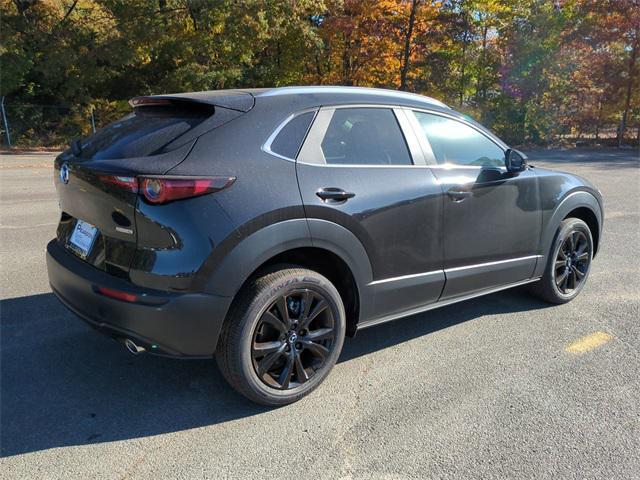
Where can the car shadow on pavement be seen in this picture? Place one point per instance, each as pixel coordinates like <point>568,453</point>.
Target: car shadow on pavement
<point>398,331</point>
<point>63,384</point>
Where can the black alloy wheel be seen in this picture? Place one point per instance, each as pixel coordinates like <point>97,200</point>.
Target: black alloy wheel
<point>293,338</point>
<point>282,336</point>
<point>568,263</point>
<point>572,262</point>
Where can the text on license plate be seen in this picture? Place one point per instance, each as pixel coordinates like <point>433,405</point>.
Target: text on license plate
<point>82,238</point>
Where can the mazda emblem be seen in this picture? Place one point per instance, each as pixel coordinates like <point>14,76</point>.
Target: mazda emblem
<point>64,173</point>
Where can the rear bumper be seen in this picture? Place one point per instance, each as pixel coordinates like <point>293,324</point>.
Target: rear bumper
<point>175,324</point>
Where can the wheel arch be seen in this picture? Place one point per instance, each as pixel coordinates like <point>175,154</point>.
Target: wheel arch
<point>319,245</point>
<point>580,204</point>
<point>329,265</point>
<point>589,217</point>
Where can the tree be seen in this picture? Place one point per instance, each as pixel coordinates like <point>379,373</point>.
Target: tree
<point>408,38</point>
<point>532,70</point>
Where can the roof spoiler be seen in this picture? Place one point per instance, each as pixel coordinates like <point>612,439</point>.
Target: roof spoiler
<point>238,100</point>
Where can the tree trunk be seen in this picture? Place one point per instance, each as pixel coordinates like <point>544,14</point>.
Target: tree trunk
<point>162,6</point>
<point>481,84</point>
<point>66,15</point>
<point>463,81</point>
<point>406,54</point>
<point>194,17</point>
<point>599,120</point>
<point>627,102</point>
<point>346,64</point>
<point>23,5</point>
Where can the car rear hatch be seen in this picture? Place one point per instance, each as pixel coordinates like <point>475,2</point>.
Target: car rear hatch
<point>97,178</point>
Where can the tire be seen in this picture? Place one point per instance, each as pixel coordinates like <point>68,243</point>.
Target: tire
<point>275,359</point>
<point>553,287</point>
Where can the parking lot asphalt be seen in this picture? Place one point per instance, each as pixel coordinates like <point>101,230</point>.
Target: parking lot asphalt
<point>503,386</point>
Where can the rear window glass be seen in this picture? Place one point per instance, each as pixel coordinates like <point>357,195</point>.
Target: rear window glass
<point>146,131</point>
<point>290,138</point>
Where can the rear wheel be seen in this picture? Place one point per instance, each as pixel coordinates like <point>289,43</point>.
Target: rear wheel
<point>568,263</point>
<point>283,336</point>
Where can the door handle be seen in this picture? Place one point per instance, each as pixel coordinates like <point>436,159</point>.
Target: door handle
<point>458,195</point>
<point>332,194</point>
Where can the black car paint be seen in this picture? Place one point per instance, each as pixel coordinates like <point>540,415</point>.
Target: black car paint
<point>405,240</point>
<point>560,194</point>
<point>505,213</point>
<point>162,322</point>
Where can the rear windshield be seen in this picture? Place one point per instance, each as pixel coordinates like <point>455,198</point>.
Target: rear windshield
<point>146,131</point>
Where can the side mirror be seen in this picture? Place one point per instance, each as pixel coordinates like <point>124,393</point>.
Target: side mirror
<point>515,161</point>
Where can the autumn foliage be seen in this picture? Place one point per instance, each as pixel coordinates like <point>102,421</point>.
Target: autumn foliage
<point>535,71</point>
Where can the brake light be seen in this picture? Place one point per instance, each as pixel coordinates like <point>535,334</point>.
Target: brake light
<point>149,101</point>
<point>159,190</point>
<point>117,294</point>
<point>129,184</point>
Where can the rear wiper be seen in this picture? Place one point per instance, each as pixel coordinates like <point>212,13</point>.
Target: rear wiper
<point>76,147</point>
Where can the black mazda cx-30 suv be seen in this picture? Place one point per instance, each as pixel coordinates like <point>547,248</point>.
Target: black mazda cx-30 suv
<point>262,226</point>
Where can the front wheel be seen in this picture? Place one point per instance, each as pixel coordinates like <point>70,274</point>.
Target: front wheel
<point>283,335</point>
<point>568,263</point>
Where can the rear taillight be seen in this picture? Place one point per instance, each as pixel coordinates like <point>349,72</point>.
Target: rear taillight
<point>157,190</point>
<point>130,184</point>
<point>162,190</point>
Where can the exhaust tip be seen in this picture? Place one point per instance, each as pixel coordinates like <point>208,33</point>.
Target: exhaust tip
<point>133,347</point>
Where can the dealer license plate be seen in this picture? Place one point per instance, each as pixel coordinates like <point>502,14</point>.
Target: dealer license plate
<point>82,238</point>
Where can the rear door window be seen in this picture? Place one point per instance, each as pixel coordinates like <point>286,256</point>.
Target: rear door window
<point>365,136</point>
<point>146,131</point>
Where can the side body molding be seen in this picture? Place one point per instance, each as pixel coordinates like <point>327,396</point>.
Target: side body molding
<point>551,221</point>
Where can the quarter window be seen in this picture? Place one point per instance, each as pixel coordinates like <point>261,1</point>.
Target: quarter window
<point>288,141</point>
<point>455,142</point>
<point>364,136</point>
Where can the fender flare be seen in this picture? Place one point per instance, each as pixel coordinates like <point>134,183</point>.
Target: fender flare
<point>576,199</point>
<point>262,245</point>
